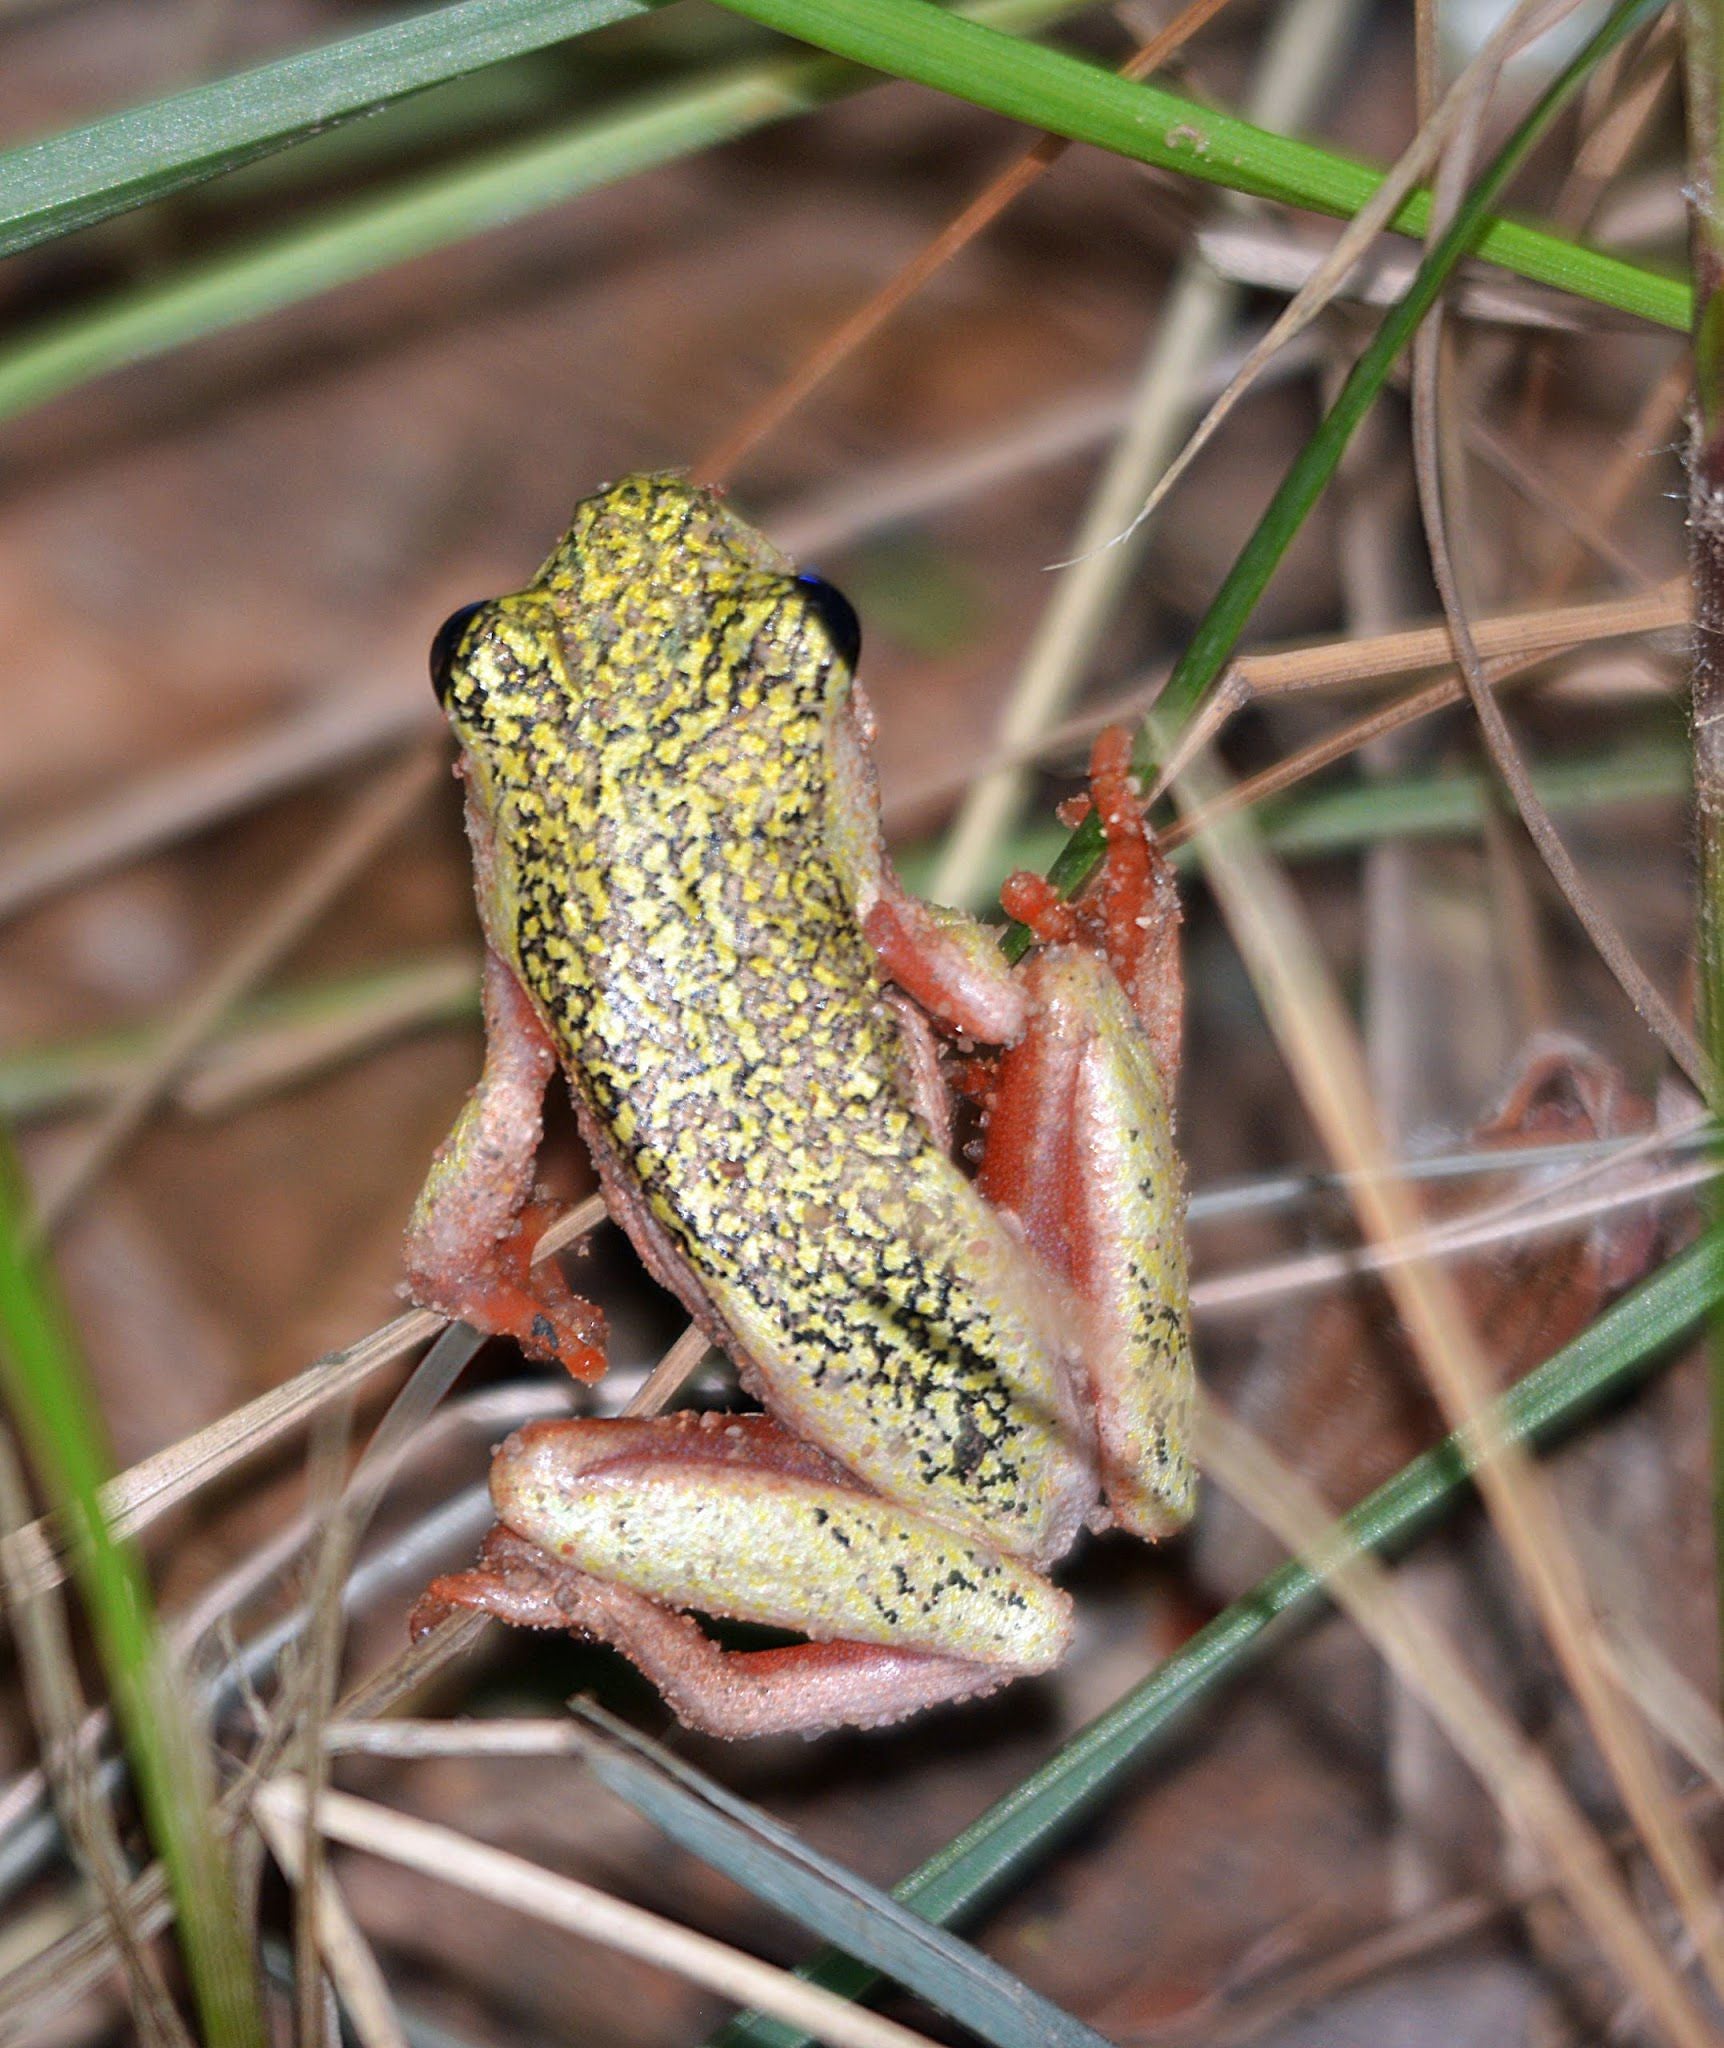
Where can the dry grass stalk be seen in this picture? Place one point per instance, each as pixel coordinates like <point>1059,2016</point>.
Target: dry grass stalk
<point>671,1374</point>
<point>310,1676</point>
<point>55,1976</point>
<point>1273,256</point>
<point>1255,1285</point>
<point>1516,645</point>
<point>1299,767</point>
<point>1543,631</point>
<point>1686,1719</point>
<point>377,814</point>
<point>51,1685</point>
<point>345,1952</point>
<point>1611,947</point>
<point>413,1741</point>
<point>1317,1041</point>
<point>564,1902</point>
<point>1531,1797</point>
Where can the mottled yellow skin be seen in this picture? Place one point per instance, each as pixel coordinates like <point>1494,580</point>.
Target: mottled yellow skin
<point>675,849</point>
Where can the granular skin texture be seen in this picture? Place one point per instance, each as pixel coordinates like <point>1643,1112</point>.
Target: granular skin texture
<point>650,728</point>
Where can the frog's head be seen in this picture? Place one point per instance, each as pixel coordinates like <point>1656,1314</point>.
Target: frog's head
<point>658,596</point>
<point>655,536</point>
<point>658,584</point>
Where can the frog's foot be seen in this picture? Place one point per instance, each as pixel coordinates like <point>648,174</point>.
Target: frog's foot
<point>505,1295</point>
<point>1130,911</point>
<point>732,1516</point>
<point>1137,903</point>
<point>800,1689</point>
<point>469,1251</point>
<point>1079,1147</point>
<point>1034,901</point>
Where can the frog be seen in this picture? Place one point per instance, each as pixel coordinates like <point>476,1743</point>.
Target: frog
<point>958,1363</point>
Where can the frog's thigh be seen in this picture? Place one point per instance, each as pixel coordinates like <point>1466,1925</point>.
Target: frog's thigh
<point>1080,1148</point>
<point>738,1519</point>
<point>470,1241</point>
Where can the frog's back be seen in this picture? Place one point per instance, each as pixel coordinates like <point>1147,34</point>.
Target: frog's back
<point>680,916</point>
<point>681,919</point>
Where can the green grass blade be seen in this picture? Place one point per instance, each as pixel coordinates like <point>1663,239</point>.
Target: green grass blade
<point>987,1857</point>
<point>776,1865</point>
<point>430,212</point>
<point>1053,90</point>
<point>86,174</point>
<point>1306,825</point>
<point>44,1382</point>
<point>320,1019</point>
<point>1444,805</point>
<point>1218,632</point>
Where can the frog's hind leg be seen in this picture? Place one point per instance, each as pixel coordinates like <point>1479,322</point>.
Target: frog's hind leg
<point>469,1249</point>
<point>1080,1148</point>
<point>1080,1144</point>
<point>801,1688</point>
<point>616,1528</point>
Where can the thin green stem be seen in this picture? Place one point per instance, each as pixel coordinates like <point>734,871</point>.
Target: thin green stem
<point>1218,632</point>
<point>42,1377</point>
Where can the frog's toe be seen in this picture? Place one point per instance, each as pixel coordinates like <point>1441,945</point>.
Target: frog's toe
<point>504,1294</point>
<point>515,1581</point>
<point>555,1324</point>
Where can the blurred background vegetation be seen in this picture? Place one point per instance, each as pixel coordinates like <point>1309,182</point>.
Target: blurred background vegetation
<point>313,326</point>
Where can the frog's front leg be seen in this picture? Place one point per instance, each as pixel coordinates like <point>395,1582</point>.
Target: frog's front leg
<point>947,961</point>
<point>470,1243</point>
<point>616,1527</point>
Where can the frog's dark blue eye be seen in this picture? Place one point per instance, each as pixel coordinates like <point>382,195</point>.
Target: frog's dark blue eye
<point>447,645</point>
<point>838,616</point>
